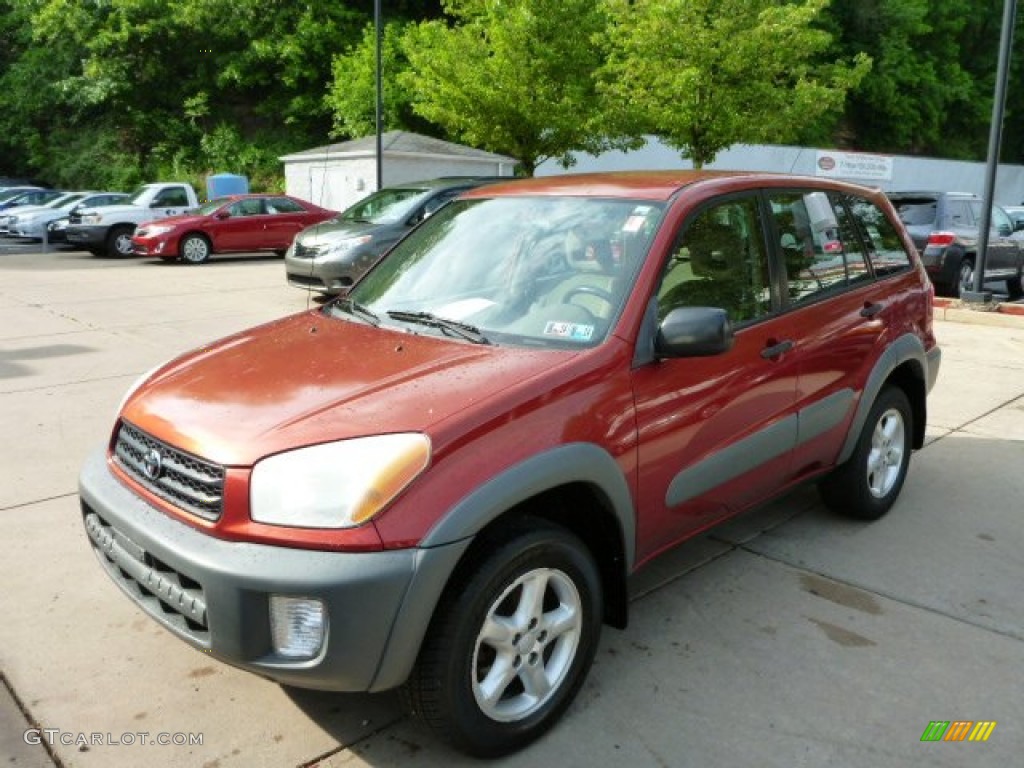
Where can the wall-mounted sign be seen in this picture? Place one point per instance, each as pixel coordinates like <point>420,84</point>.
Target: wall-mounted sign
<point>853,165</point>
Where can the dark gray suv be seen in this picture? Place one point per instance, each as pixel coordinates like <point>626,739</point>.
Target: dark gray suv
<point>944,227</point>
<point>329,257</point>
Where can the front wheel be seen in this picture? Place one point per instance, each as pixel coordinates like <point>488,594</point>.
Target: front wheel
<point>511,642</point>
<point>866,486</point>
<point>119,241</point>
<point>194,249</point>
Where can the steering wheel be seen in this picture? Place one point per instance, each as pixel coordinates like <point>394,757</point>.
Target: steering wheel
<point>589,290</point>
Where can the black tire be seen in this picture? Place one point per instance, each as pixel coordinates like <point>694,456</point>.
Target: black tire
<point>866,486</point>
<point>119,241</point>
<point>549,647</point>
<point>1014,289</point>
<point>194,249</point>
<point>964,278</point>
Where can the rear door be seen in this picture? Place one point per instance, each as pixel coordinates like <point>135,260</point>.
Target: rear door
<point>284,218</point>
<point>839,309</point>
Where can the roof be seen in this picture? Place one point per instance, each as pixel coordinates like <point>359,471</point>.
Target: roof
<point>396,143</point>
<point>649,185</point>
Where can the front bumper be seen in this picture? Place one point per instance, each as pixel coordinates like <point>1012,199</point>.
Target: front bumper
<point>328,273</point>
<point>214,594</point>
<point>86,235</point>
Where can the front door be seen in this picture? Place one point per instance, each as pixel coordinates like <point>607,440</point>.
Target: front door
<point>716,433</point>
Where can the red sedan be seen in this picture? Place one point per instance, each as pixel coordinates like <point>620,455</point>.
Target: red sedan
<point>234,224</point>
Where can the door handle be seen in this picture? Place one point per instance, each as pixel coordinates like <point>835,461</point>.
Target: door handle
<point>776,349</point>
<point>871,309</point>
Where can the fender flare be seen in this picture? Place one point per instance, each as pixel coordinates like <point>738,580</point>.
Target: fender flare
<point>907,348</point>
<point>571,463</point>
<point>442,548</point>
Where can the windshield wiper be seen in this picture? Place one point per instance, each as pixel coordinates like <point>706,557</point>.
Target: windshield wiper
<point>357,309</point>
<point>463,330</point>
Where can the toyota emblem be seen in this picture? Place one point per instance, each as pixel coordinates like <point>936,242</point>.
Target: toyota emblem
<point>152,463</point>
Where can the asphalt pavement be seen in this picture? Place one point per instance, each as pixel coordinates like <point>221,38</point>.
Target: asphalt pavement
<point>787,637</point>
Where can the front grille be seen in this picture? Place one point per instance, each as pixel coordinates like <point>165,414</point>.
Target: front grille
<point>307,252</point>
<point>169,596</point>
<point>305,281</point>
<point>186,481</point>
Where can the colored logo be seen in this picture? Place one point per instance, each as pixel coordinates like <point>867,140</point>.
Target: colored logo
<point>958,730</point>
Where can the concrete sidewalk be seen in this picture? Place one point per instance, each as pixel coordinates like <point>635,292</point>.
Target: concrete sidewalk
<point>786,637</point>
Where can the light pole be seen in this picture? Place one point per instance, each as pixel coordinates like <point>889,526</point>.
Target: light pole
<point>380,92</point>
<point>995,139</point>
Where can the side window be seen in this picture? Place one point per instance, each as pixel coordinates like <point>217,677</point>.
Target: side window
<point>174,197</point>
<point>283,205</point>
<point>962,214</point>
<point>819,243</point>
<point>885,247</point>
<point>720,261</point>
<point>433,204</point>
<point>248,207</point>
<point>857,270</point>
<point>1001,222</point>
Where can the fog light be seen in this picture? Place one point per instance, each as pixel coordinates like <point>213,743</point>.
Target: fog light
<point>297,626</point>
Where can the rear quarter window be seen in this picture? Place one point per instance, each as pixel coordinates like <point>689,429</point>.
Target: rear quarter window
<point>885,246</point>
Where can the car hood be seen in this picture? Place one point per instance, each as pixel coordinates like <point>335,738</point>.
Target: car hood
<point>311,378</point>
<point>182,219</point>
<point>329,232</point>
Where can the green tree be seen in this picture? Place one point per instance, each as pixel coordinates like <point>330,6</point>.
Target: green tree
<point>514,76</point>
<point>706,74</point>
<point>921,81</point>
<point>353,92</point>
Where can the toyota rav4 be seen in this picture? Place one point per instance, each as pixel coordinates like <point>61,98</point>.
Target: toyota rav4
<point>443,480</point>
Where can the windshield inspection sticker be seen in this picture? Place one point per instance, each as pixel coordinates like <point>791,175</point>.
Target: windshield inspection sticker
<point>574,331</point>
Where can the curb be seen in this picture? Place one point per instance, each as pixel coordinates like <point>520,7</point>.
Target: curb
<point>997,314</point>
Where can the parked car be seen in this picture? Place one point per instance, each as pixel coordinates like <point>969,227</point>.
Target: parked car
<point>443,480</point>
<point>108,230</point>
<point>232,224</point>
<point>8,216</point>
<point>33,224</point>
<point>945,227</point>
<point>27,196</point>
<point>56,230</point>
<point>330,257</point>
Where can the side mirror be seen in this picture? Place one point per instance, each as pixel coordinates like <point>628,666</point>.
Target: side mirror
<point>222,215</point>
<point>694,332</point>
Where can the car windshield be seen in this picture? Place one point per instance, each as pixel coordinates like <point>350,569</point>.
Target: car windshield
<point>382,206</point>
<point>531,271</point>
<point>64,200</point>
<point>10,194</point>
<point>207,208</point>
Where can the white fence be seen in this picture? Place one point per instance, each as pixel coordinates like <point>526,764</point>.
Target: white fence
<point>889,172</point>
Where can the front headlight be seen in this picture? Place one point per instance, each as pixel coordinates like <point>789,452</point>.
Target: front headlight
<point>336,485</point>
<point>155,229</point>
<point>92,218</point>
<point>346,245</point>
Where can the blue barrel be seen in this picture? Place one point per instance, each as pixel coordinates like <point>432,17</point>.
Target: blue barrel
<point>221,184</point>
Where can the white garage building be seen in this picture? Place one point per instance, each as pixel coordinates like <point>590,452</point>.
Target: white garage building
<point>338,175</point>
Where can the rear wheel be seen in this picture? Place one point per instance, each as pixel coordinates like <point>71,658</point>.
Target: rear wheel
<point>194,249</point>
<point>867,485</point>
<point>511,642</point>
<point>119,241</point>
<point>964,278</point>
<point>1014,288</point>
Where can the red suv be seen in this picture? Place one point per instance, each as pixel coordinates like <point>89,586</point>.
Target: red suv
<point>443,480</point>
